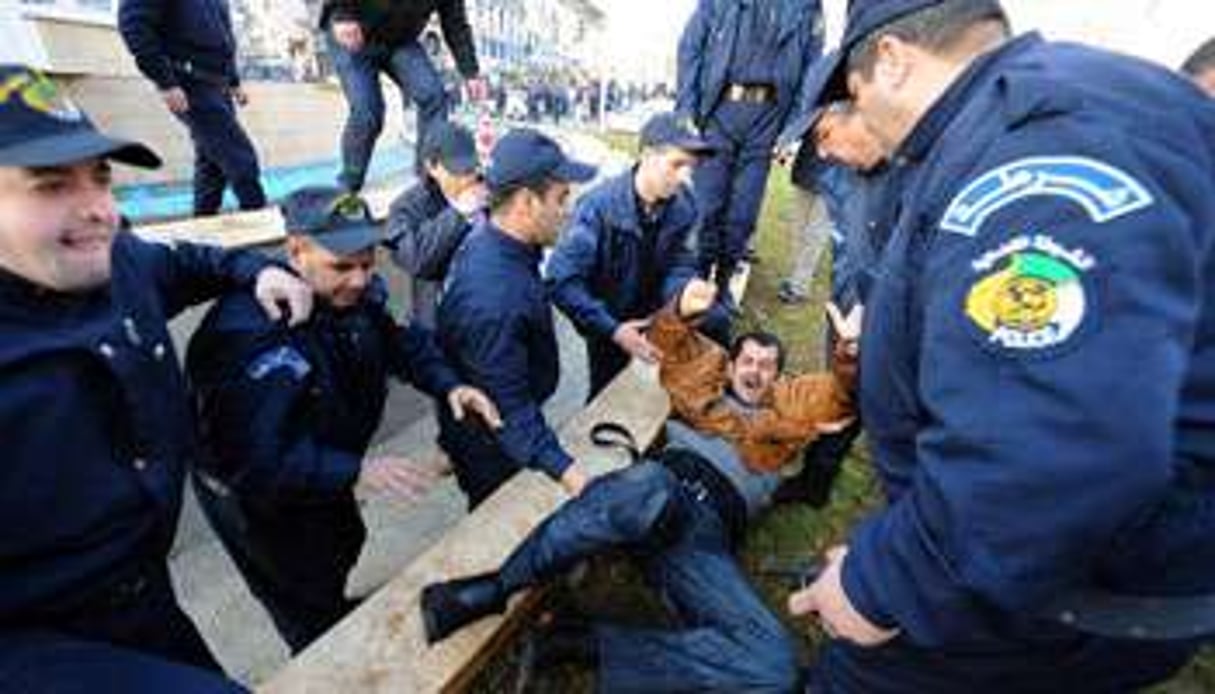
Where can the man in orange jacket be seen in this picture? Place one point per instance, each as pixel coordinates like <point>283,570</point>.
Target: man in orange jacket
<point>737,422</point>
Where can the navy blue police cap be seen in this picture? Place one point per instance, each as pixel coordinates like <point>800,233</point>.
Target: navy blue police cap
<point>40,126</point>
<point>673,130</point>
<point>524,156</point>
<point>338,220</point>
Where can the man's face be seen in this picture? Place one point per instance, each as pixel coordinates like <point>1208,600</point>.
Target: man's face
<point>57,224</point>
<point>753,371</point>
<point>1206,81</point>
<point>339,280</point>
<point>884,99</point>
<point>840,134</point>
<point>452,184</point>
<point>667,169</point>
<point>549,212</point>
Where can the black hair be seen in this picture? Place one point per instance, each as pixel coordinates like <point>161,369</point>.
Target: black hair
<point>936,28</point>
<point>499,197</point>
<point>1200,60</point>
<point>762,338</point>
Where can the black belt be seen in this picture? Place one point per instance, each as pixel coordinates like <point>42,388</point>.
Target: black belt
<point>191,69</point>
<point>750,93</point>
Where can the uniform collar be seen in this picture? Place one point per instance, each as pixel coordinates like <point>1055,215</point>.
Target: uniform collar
<point>20,292</point>
<point>512,247</point>
<point>626,208</point>
<point>934,123</point>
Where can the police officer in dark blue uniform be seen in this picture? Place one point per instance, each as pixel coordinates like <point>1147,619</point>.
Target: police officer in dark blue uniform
<point>287,416</point>
<point>628,250</point>
<point>1036,378</point>
<point>496,322</point>
<point>741,66</point>
<point>93,412</point>
<point>187,49</point>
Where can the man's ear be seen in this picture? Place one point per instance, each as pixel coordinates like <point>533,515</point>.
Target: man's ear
<point>895,58</point>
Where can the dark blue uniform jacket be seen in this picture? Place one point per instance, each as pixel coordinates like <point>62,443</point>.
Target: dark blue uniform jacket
<point>171,38</point>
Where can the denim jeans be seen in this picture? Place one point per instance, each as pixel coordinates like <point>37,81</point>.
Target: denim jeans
<point>359,73</point>
<point>223,153</point>
<point>726,640</point>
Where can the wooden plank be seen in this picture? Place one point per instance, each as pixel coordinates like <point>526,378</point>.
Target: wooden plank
<point>381,646</point>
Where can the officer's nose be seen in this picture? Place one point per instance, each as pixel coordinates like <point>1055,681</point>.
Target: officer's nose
<point>97,204</point>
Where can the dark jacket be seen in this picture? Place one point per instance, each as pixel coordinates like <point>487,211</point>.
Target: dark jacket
<point>1036,371</point>
<point>95,422</point>
<point>424,231</point>
<point>606,270</point>
<point>176,40</point>
<point>711,41</point>
<point>391,23</point>
<point>496,328</point>
<point>289,413</point>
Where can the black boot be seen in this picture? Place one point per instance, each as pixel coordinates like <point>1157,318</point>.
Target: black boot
<point>451,605</point>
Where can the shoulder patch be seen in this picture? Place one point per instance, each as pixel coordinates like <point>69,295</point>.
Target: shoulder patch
<point>272,360</point>
<point>1103,191</point>
<point>1032,295</point>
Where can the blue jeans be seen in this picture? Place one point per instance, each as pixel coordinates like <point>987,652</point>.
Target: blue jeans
<point>128,637</point>
<point>408,66</point>
<point>727,639</point>
<point>223,153</point>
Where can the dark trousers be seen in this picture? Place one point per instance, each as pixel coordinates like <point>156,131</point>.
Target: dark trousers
<point>730,185</point>
<point>294,555</point>
<point>223,153</point>
<point>409,67</point>
<point>479,465</point>
<point>727,639</point>
<point>130,637</point>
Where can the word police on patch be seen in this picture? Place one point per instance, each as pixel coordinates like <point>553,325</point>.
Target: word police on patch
<point>1031,294</point>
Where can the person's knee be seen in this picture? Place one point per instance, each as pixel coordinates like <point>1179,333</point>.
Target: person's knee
<point>365,117</point>
<point>647,493</point>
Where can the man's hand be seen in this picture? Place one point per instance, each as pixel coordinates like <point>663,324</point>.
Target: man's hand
<point>631,339</point>
<point>239,95</point>
<point>276,287</point>
<point>697,297</point>
<point>471,200</point>
<point>349,35</point>
<point>574,479</point>
<point>396,477</point>
<point>826,598</point>
<point>463,399</point>
<point>175,98</point>
<point>847,328</point>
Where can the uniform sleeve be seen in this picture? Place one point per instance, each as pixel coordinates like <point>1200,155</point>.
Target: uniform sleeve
<point>801,113</point>
<point>494,351</point>
<point>690,57</point>
<point>139,23</point>
<point>255,411</point>
<point>415,357</point>
<point>424,247</point>
<point>681,269</point>
<point>453,18</point>
<point>569,273</point>
<point>1057,326</point>
<point>187,273</point>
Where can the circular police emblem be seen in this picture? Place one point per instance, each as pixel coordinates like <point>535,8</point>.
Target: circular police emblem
<point>1031,295</point>
<point>40,93</point>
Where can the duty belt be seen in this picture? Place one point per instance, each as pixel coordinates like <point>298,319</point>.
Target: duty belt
<point>750,93</point>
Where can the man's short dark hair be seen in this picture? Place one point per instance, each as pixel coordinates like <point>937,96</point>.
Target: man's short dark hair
<point>1200,60</point>
<point>936,28</point>
<point>762,338</point>
<point>499,198</point>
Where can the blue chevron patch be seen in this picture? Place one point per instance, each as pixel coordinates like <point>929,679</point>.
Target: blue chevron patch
<point>1105,192</point>
<point>279,358</point>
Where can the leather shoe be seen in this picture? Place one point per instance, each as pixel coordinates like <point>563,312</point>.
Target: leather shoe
<point>449,606</point>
